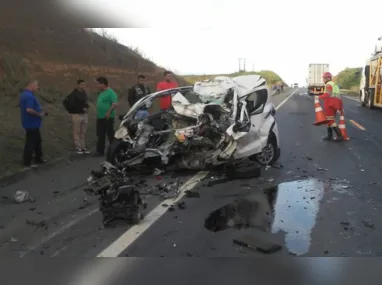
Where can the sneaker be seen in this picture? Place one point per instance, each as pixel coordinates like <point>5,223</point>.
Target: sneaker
<point>85,151</point>
<point>79,151</point>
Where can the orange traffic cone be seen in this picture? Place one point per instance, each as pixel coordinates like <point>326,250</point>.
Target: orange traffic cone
<point>320,115</point>
<point>342,126</point>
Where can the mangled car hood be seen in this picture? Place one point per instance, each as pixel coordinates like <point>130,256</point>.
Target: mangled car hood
<point>205,125</point>
<point>214,92</point>
<point>210,92</point>
<point>215,89</point>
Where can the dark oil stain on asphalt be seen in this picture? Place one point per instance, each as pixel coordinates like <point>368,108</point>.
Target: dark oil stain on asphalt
<point>290,207</point>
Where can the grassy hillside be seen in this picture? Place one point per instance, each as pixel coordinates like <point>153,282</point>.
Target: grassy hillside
<point>57,58</point>
<point>270,76</point>
<point>349,79</point>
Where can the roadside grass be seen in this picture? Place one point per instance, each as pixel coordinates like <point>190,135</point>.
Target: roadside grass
<point>49,55</point>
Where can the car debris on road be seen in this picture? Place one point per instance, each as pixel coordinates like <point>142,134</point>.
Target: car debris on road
<point>225,122</point>
<point>119,198</point>
<point>23,196</point>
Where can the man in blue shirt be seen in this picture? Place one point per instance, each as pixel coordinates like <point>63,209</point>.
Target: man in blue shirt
<point>31,117</point>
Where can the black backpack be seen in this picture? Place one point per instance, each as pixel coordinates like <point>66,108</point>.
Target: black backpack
<point>69,103</point>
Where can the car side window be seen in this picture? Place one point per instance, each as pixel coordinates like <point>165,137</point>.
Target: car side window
<point>256,99</point>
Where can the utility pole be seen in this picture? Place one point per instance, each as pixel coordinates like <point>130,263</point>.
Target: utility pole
<point>240,59</point>
<point>239,63</point>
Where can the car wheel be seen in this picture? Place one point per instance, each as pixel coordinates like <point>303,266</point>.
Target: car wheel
<point>116,150</point>
<point>270,153</point>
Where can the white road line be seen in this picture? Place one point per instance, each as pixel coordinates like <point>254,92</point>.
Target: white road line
<point>133,233</point>
<point>286,99</point>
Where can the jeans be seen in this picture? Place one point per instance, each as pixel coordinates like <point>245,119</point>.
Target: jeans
<point>141,114</point>
<point>105,127</point>
<point>32,145</point>
<point>80,122</point>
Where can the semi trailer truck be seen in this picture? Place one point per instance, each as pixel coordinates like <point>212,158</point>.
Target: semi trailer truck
<point>316,85</point>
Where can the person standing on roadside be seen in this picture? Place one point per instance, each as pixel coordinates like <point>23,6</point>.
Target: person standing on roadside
<point>137,92</point>
<point>79,110</point>
<point>107,102</point>
<point>167,83</point>
<point>31,120</point>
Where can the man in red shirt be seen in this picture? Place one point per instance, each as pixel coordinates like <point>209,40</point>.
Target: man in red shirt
<point>167,83</point>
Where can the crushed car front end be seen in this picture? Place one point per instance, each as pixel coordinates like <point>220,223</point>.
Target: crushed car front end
<point>211,123</point>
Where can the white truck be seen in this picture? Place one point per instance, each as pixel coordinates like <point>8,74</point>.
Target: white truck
<point>316,85</point>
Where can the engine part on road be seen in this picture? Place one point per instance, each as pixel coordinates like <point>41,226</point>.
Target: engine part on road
<point>119,199</point>
<point>125,204</point>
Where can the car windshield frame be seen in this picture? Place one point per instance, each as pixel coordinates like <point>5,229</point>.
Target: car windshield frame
<point>151,97</point>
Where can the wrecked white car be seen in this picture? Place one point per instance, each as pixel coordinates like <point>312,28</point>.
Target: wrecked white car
<point>214,122</point>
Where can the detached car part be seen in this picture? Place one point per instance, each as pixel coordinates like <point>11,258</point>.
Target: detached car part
<point>119,199</point>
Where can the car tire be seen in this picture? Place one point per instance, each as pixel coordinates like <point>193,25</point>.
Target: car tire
<point>114,149</point>
<point>270,153</point>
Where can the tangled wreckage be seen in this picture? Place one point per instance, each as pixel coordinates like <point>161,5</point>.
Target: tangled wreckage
<point>220,121</point>
<point>223,121</point>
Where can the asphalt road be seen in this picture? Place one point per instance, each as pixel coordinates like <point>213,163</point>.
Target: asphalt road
<point>325,195</point>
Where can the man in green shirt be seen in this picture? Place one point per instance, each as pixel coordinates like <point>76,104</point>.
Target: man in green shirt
<point>107,101</point>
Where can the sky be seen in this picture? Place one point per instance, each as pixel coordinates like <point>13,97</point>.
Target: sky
<point>208,37</point>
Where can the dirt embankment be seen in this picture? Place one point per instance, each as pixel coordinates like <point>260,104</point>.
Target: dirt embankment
<point>57,58</point>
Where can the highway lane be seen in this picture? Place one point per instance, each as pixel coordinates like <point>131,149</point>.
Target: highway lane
<point>328,200</point>
<point>59,223</point>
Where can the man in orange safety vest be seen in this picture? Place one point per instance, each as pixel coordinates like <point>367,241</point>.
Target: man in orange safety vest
<point>332,104</point>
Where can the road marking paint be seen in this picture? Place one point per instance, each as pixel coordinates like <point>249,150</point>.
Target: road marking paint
<point>357,125</point>
<point>59,231</point>
<point>133,233</point>
<point>286,99</point>
<point>59,251</point>
<point>136,231</point>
